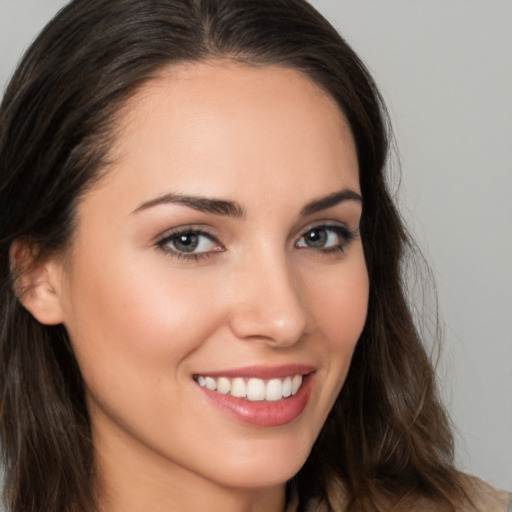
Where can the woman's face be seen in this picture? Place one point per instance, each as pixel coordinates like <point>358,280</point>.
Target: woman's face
<point>221,250</point>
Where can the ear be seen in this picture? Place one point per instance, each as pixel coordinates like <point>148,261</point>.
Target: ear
<point>37,281</point>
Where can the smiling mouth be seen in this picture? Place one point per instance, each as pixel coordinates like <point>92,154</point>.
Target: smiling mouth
<point>252,389</point>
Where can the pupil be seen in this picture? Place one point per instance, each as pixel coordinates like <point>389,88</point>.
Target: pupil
<point>317,238</point>
<point>187,242</point>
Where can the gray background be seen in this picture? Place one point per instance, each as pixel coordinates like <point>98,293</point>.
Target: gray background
<point>445,69</point>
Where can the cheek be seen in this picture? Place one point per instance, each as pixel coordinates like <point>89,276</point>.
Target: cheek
<point>340,311</point>
<point>342,302</point>
<point>135,318</point>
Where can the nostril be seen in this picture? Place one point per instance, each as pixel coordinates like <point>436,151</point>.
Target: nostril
<point>279,327</point>
<point>267,303</point>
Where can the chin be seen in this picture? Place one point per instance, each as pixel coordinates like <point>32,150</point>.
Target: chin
<point>267,465</point>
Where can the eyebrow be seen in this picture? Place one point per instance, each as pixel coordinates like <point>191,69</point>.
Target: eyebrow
<point>331,200</point>
<point>202,204</point>
<point>233,209</point>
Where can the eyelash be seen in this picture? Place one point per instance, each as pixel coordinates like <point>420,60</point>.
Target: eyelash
<point>345,235</point>
<point>165,242</point>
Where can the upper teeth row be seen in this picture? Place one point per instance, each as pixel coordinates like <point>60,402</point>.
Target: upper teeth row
<point>253,389</point>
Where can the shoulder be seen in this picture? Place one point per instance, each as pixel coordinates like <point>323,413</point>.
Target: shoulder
<point>486,498</point>
<point>482,496</point>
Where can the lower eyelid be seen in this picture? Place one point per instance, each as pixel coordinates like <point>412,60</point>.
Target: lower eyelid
<point>343,232</point>
<point>172,234</point>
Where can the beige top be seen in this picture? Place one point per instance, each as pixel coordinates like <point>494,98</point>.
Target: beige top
<point>489,499</point>
<point>484,497</point>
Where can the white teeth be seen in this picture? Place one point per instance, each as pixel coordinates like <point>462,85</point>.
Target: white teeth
<point>287,387</point>
<point>223,385</point>
<point>210,383</point>
<point>274,390</point>
<point>296,382</point>
<point>254,389</point>
<point>239,388</point>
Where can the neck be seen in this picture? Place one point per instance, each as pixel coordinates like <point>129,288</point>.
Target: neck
<point>139,483</point>
<point>137,496</point>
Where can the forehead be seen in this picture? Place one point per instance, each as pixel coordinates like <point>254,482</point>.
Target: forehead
<point>226,83</point>
<point>209,127</point>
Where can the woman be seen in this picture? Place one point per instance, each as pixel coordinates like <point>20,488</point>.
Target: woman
<point>201,296</point>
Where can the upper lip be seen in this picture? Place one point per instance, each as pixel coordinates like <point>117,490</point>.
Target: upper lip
<point>262,371</point>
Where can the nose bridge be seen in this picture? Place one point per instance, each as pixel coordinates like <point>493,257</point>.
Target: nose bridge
<point>269,303</point>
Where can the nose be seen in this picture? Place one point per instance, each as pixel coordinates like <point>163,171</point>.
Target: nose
<point>268,303</point>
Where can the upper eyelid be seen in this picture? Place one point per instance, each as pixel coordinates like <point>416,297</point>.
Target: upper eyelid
<point>163,237</point>
<point>343,229</point>
<point>163,243</point>
<point>338,228</point>
<point>326,223</point>
<point>172,232</point>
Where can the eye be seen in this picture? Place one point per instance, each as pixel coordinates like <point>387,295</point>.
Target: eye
<point>189,243</point>
<point>326,238</point>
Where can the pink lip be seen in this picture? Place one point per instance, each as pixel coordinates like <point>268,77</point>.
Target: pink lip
<point>264,413</point>
<point>262,372</point>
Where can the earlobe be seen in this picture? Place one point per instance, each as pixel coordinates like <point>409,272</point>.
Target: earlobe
<point>37,282</point>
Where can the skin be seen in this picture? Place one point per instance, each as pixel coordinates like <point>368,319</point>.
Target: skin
<point>143,322</point>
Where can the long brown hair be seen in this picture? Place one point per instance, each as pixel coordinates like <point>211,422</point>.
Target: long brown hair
<point>387,436</point>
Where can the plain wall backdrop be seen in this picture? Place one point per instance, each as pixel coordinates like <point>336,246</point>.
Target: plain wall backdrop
<point>445,70</point>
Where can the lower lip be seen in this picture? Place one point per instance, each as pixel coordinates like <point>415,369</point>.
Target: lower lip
<point>263,413</point>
